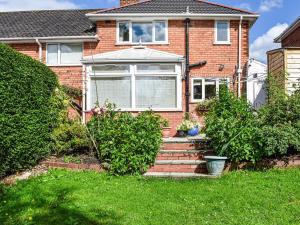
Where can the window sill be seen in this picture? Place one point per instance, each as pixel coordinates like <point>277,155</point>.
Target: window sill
<point>137,44</point>
<point>222,43</point>
<point>64,65</point>
<point>143,110</point>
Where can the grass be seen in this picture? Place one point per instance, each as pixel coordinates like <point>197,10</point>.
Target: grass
<point>71,198</point>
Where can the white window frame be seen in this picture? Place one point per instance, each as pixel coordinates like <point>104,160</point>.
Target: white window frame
<point>228,42</point>
<point>130,42</point>
<point>203,86</point>
<point>59,54</point>
<point>133,73</point>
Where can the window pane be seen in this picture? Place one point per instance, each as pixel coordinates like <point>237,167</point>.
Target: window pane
<point>160,31</point>
<point>222,31</point>
<point>141,32</point>
<point>210,88</point>
<point>198,90</point>
<point>146,68</point>
<point>111,69</point>
<point>52,54</point>
<point>123,32</point>
<point>70,53</point>
<point>116,90</point>
<point>156,92</point>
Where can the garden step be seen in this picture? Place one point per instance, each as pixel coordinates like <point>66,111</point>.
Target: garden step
<point>181,168</point>
<point>185,143</point>
<point>177,175</point>
<point>180,156</point>
<point>179,162</point>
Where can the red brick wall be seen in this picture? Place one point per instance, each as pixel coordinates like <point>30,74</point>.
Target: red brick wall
<point>292,40</point>
<point>202,47</point>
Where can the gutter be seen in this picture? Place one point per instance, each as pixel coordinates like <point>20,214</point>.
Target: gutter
<point>40,49</point>
<point>94,38</point>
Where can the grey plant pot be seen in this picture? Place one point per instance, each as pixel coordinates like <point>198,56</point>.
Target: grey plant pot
<point>215,164</point>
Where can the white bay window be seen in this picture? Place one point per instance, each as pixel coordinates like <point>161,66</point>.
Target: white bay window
<point>142,32</point>
<point>136,86</point>
<point>64,54</point>
<point>206,88</point>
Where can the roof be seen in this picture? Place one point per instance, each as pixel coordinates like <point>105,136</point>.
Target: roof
<point>288,31</point>
<point>175,6</point>
<point>135,54</point>
<point>45,23</point>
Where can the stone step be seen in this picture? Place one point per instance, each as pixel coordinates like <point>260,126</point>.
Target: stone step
<point>179,162</point>
<point>185,143</point>
<point>178,175</point>
<point>180,155</point>
<point>183,166</point>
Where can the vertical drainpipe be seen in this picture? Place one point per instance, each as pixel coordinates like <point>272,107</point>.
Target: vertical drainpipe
<point>83,94</point>
<point>187,64</point>
<point>239,72</point>
<point>40,49</point>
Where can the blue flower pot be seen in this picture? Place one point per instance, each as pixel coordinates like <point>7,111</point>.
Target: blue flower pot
<point>193,132</point>
<point>215,164</point>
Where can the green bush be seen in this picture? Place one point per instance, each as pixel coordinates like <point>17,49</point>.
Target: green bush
<point>126,144</point>
<point>71,137</point>
<point>28,110</point>
<point>231,125</point>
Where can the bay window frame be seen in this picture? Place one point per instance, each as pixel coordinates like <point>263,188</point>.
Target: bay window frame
<point>216,79</point>
<point>130,42</point>
<point>59,53</point>
<point>133,74</point>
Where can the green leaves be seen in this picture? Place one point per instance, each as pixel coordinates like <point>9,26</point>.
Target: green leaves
<point>127,144</point>
<point>27,113</point>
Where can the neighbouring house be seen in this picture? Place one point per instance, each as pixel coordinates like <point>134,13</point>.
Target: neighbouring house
<point>284,62</point>
<point>166,55</point>
<point>256,83</point>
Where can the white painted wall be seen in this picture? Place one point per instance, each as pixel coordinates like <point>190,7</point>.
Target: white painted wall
<point>256,83</point>
<point>293,71</point>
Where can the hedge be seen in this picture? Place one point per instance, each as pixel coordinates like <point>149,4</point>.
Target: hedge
<point>28,110</point>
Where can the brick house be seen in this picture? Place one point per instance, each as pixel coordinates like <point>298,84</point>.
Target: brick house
<point>166,55</point>
<point>284,62</point>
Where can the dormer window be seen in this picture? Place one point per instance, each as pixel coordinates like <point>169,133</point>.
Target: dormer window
<point>222,32</point>
<point>153,32</point>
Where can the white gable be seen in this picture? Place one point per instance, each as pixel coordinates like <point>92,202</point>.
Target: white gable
<point>135,54</point>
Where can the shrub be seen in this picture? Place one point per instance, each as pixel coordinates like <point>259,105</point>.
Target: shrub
<point>126,144</point>
<point>71,137</point>
<point>231,125</point>
<point>28,110</point>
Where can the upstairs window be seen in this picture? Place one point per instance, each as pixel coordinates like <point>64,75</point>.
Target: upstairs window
<point>222,32</point>
<point>64,54</point>
<point>144,32</point>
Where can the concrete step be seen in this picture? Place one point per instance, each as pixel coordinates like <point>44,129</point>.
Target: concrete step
<point>182,166</point>
<point>180,155</point>
<point>179,162</point>
<point>177,175</point>
<point>185,143</point>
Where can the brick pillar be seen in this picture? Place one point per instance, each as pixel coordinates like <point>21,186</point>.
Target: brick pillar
<point>128,2</point>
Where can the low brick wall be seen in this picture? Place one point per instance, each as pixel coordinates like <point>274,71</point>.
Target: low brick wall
<point>74,166</point>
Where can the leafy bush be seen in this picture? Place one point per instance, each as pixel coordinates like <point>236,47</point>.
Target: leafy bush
<point>28,110</point>
<point>126,144</point>
<point>231,125</point>
<point>71,137</point>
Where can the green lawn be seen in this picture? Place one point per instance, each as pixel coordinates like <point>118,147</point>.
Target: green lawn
<point>63,197</point>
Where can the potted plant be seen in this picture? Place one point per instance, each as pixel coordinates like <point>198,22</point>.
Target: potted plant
<point>215,164</point>
<point>166,129</point>
<point>188,127</point>
<point>204,106</point>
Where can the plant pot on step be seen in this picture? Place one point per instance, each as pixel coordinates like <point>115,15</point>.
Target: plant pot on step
<point>215,164</point>
<point>193,132</point>
<point>166,132</point>
<point>181,133</point>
